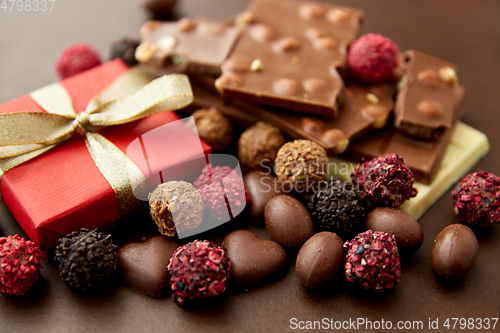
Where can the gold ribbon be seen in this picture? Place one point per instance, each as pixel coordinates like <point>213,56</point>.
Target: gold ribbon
<point>26,135</point>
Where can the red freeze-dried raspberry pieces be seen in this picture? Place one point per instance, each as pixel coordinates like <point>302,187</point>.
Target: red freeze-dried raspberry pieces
<point>373,58</point>
<point>76,59</point>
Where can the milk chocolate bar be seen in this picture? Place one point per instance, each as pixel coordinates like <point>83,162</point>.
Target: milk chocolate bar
<point>288,54</point>
<point>429,93</point>
<point>198,46</point>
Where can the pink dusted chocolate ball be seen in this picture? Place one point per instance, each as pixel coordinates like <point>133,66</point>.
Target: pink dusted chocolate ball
<point>19,265</point>
<point>385,181</point>
<point>372,260</point>
<point>199,269</point>
<point>373,58</point>
<point>477,199</point>
<point>75,59</point>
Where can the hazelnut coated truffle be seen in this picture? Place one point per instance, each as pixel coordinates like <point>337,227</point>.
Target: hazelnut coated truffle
<point>259,145</point>
<point>301,164</point>
<point>213,128</point>
<point>176,201</point>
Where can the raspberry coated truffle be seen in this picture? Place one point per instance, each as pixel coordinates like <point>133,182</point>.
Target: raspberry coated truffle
<point>76,59</point>
<point>198,270</point>
<point>87,259</point>
<point>373,58</point>
<point>300,165</point>
<point>385,181</point>
<point>338,207</point>
<point>19,265</point>
<point>372,260</point>
<point>477,199</point>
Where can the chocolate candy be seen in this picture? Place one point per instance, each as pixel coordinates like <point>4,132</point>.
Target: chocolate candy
<point>197,46</point>
<point>213,128</point>
<point>144,265</point>
<point>428,95</point>
<point>160,9</point>
<point>258,146</point>
<point>454,252</point>
<point>261,188</point>
<point>288,221</point>
<point>125,50</point>
<point>288,53</point>
<point>254,262</point>
<point>409,235</point>
<point>319,259</point>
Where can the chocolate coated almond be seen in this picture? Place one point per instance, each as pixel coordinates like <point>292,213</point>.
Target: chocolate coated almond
<point>261,188</point>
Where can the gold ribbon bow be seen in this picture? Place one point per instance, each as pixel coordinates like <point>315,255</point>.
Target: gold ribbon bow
<point>26,135</point>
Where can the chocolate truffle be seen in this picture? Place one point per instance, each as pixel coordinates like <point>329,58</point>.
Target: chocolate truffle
<point>261,188</point>
<point>258,145</point>
<point>144,265</point>
<point>254,262</point>
<point>125,50</point>
<point>176,201</point>
<point>19,265</point>
<point>385,181</point>
<point>454,252</point>
<point>222,191</point>
<point>477,199</point>
<point>213,128</point>
<point>288,221</point>
<point>301,165</point>
<point>199,269</point>
<point>159,9</point>
<point>372,260</point>
<point>337,206</point>
<point>408,232</point>
<point>87,259</point>
<point>319,259</point>
<point>75,59</point>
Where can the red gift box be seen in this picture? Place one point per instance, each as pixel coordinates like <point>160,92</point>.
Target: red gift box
<point>63,190</point>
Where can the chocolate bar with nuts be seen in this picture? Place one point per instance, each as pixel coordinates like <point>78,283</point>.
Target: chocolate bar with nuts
<point>429,92</point>
<point>197,46</point>
<point>288,54</point>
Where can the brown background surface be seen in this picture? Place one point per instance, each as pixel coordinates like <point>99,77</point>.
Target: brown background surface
<point>463,32</point>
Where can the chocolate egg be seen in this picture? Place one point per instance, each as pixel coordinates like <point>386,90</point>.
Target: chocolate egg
<point>261,188</point>
<point>254,262</point>
<point>319,259</point>
<point>454,252</point>
<point>408,232</point>
<point>288,221</point>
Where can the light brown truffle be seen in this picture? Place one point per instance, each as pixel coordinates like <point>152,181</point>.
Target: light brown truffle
<point>213,128</point>
<point>176,201</point>
<point>300,165</point>
<point>258,146</point>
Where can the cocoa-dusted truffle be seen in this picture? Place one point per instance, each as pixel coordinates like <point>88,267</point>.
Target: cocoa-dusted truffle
<point>372,260</point>
<point>338,207</point>
<point>125,50</point>
<point>176,201</point>
<point>213,128</point>
<point>87,259</point>
<point>258,146</point>
<point>301,165</point>
<point>477,199</point>
<point>221,198</point>
<point>19,265</point>
<point>385,181</point>
<point>199,269</point>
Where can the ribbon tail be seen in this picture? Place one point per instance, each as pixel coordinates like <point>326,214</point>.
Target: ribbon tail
<point>122,175</point>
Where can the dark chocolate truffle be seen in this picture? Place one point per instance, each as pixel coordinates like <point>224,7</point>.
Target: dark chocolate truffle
<point>372,260</point>
<point>87,259</point>
<point>477,199</point>
<point>213,128</point>
<point>199,269</point>
<point>385,181</point>
<point>301,165</point>
<point>176,201</point>
<point>338,207</point>
<point>19,265</point>
<point>258,146</point>
<point>125,50</point>
<point>160,9</point>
